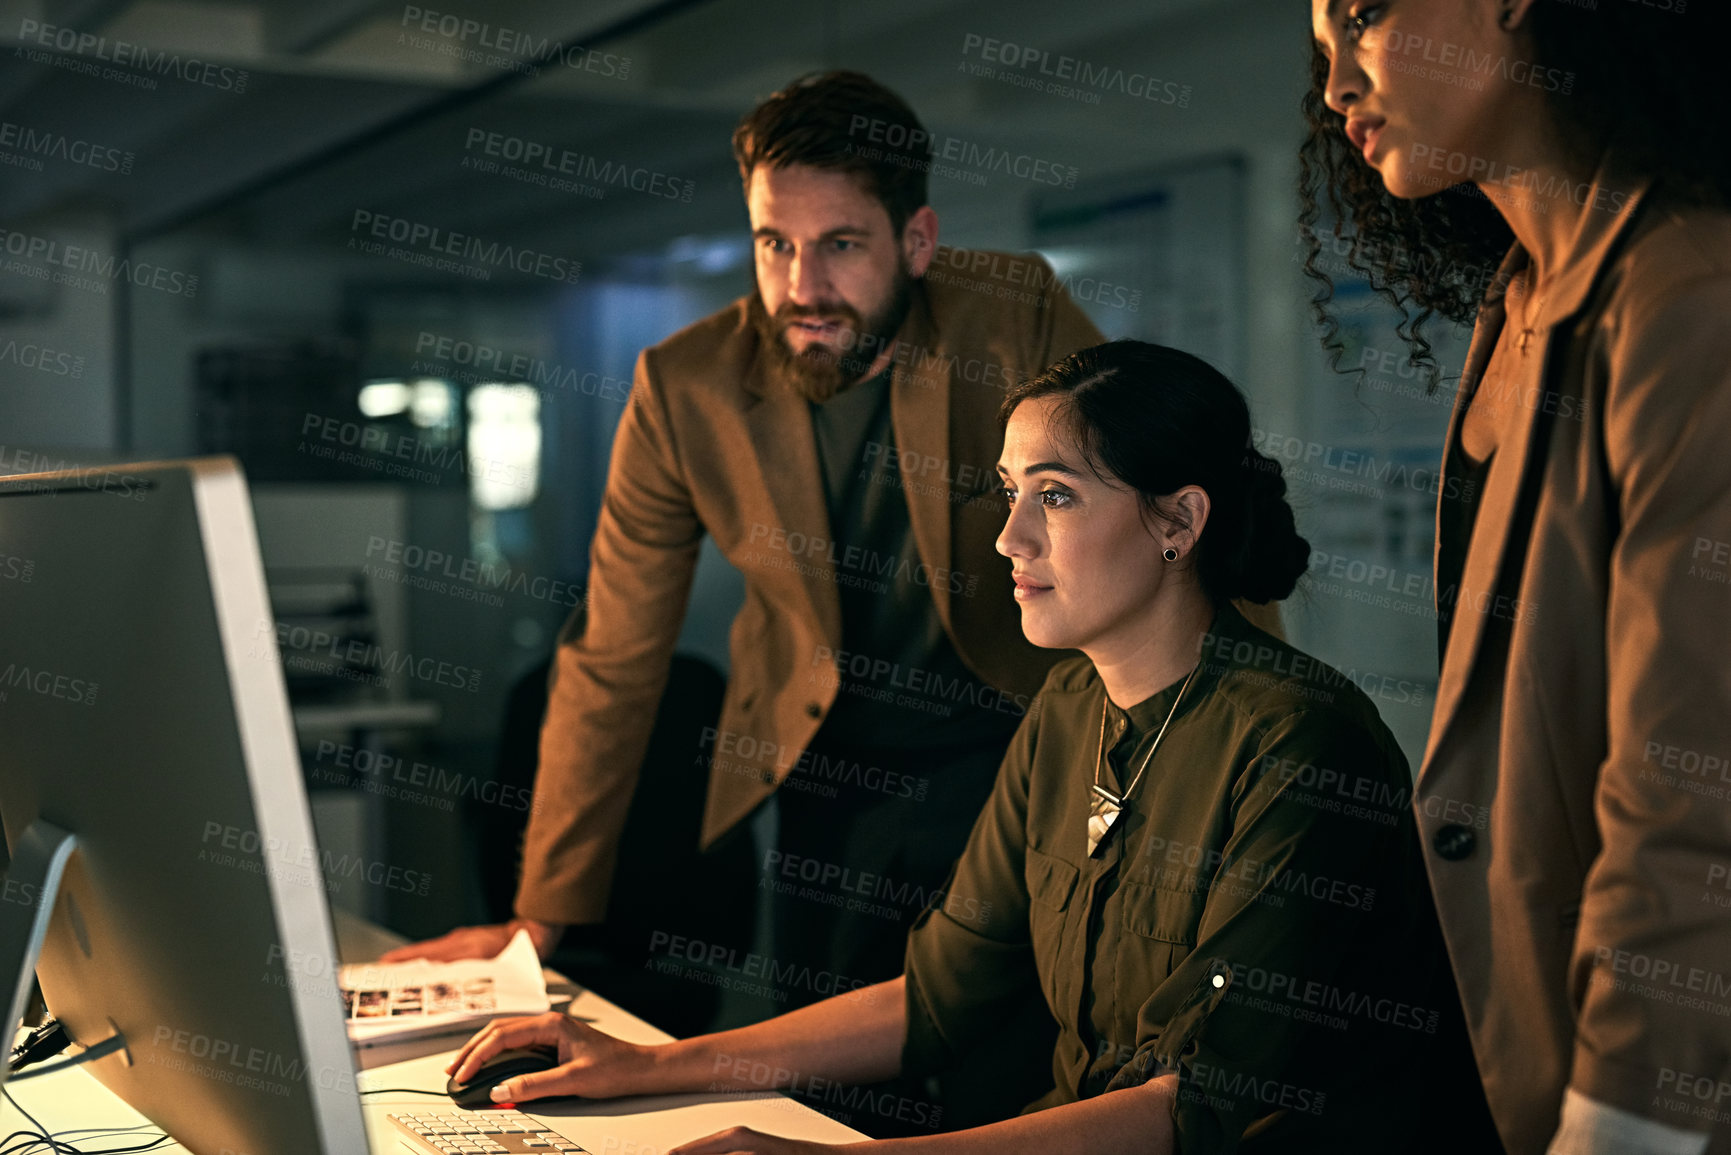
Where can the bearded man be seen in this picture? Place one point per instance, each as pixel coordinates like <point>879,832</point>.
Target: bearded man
<point>835,432</point>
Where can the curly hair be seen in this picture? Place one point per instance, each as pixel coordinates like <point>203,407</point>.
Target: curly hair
<point>1644,76</point>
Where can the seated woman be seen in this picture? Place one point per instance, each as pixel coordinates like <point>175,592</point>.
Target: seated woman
<point>1198,851</point>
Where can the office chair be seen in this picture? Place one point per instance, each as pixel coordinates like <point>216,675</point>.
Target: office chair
<point>663,883</point>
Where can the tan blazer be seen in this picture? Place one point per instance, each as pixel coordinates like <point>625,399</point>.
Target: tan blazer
<point>710,443</point>
<point>1575,797</point>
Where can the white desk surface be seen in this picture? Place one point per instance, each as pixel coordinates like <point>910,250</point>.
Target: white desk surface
<point>641,1126</point>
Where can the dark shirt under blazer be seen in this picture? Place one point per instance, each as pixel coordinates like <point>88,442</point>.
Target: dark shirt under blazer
<point>712,442</point>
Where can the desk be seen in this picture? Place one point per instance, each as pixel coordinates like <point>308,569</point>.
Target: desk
<point>642,1126</point>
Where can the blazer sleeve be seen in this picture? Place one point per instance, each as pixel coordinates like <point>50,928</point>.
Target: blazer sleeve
<point>1651,971</point>
<point>611,666</point>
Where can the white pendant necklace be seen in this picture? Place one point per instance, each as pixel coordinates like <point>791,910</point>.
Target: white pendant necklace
<point>1105,807</point>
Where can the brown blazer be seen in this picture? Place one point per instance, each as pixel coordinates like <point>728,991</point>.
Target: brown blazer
<point>1575,797</point>
<point>710,443</point>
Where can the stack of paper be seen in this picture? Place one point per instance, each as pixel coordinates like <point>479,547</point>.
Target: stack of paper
<point>391,1002</point>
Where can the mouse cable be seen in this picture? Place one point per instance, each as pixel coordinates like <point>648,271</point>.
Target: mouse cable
<point>396,1091</point>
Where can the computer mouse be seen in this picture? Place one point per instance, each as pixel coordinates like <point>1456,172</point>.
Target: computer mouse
<point>477,1092</point>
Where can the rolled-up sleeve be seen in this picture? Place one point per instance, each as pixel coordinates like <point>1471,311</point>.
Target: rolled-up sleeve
<point>970,959</point>
<point>1294,894</point>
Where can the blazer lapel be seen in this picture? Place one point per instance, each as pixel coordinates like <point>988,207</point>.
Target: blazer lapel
<point>1509,500</point>
<point>920,413</point>
<point>1474,578</point>
<point>778,420</point>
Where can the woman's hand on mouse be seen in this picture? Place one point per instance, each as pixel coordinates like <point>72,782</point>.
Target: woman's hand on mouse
<point>591,1063</point>
<point>745,1141</point>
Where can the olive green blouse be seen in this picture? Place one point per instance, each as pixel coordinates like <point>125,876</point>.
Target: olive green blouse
<point>1248,925</point>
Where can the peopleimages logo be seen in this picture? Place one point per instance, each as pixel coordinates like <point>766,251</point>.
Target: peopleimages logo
<point>543,163</point>
<point>473,363</point>
<point>437,242</point>
<point>67,261</point>
<point>511,48</point>
<point>47,683</point>
<point>1009,277</point>
<point>126,54</point>
<point>33,144</point>
<point>1464,66</point>
<point>1070,77</point>
<point>874,138</point>
<point>27,355</point>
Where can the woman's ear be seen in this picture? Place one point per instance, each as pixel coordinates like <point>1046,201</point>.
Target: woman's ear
<point>1193,509</point>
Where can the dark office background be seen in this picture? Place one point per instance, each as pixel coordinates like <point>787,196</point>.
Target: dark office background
<point>252,199</point>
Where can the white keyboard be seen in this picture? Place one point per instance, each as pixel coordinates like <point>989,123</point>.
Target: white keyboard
<point>445,1132</point>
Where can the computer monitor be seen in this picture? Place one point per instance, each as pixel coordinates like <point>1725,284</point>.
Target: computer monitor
<point>165,880</point>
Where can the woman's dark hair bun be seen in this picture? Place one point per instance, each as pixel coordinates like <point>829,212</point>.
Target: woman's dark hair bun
<point>1159,419</point>
<point>1270,555</point>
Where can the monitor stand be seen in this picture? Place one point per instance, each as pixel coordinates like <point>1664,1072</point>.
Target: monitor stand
<point>32,886</point>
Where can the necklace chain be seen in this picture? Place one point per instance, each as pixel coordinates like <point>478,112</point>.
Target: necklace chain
<point>1531,302</point>
<point>1100,755</point>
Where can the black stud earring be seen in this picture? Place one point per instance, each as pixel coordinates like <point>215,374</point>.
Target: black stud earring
<point>1170,554</point>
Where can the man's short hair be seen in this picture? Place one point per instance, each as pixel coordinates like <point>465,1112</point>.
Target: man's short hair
<point>843,122</point>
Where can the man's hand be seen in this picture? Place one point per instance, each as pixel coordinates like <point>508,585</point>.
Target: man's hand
<point>591,1064</point>
<point>479,942</point>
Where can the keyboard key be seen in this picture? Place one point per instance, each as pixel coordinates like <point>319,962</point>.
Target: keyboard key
<point>479,1133</point>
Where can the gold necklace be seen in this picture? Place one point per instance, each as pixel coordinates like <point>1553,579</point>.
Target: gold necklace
<point>1529,306</point>
<point>1105,807</point>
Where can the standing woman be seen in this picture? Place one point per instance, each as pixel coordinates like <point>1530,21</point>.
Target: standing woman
<point>1575,798</point>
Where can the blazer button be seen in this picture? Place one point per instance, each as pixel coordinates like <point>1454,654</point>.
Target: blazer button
<point>1453,841</point>
<point>813,710</point>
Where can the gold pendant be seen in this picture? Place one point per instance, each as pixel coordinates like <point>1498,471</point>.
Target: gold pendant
<point>1103,811</point>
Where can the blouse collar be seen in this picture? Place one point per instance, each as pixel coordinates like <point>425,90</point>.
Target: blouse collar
<point>1148,715</point>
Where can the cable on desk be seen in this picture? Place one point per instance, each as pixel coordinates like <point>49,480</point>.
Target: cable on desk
<point>401,1091</point>
<point>34,1141</point>
<point>43,1140</point>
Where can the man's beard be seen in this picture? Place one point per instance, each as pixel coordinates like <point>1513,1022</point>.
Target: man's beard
<point>821,371</point>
